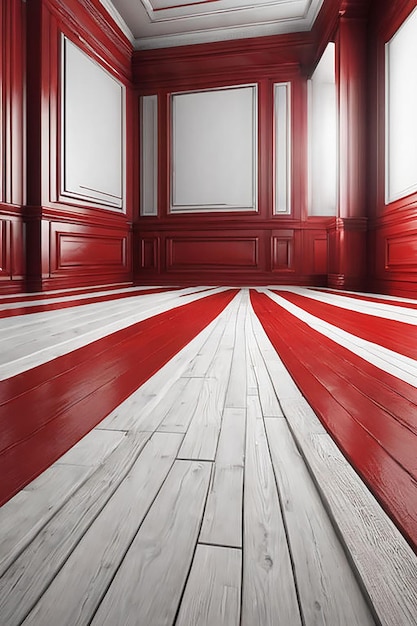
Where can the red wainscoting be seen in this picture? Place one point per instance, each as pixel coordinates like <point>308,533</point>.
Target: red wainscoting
<point>251,256</point>
<point>70,241</point>
<point>392,259</point>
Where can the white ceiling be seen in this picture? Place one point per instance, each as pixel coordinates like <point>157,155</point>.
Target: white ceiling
<point>164,23</point>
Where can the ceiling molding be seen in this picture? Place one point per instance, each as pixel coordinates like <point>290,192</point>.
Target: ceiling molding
<point>152,24</point>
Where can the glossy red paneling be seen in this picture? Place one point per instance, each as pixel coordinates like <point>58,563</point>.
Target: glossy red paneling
<point>345,392</point>
<point>149,253</point>
<point>71,242</point>
<point>401,252</point>
<point>4,248</point>
<point>347,239</point>
<point>46,410</point>
<point>204,252</point>
<point>79,248</point>
<point>283,250</point>
<point>393,227</point>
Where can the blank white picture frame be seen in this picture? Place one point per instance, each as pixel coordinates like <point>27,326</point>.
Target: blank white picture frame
<point>214,148</point>
<point>92,131</point>
<point>401,107</point>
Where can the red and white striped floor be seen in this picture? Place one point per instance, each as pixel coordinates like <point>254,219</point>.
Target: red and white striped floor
<point>75,362</point>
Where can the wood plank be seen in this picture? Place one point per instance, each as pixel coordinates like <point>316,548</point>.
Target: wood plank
<point>328,591</point>
<point>92,449</point>
<point>268,594</point>
<point>201,439</point>
<point>267,396</point>
<point>49,340</point>
<point>148,586</point>
<point>222,522</point>
<point>32,572</point>
<point>377,445</point>
<point>200,365</point>
<point>236,389</point>
<point>212,594</point>
<point>385,563</point>
<point>404,368</point>
<point>91,567</point>
<point>22,517</point>
<point>134,411</point>
<point>181,411</point>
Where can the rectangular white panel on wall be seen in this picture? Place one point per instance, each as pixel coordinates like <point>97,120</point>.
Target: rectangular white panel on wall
<point>214,150</point>
<point>323,136</point>
<point>282,154</point>
<point>401,107</point>
<point>149,155</point>
<point>93,129</point>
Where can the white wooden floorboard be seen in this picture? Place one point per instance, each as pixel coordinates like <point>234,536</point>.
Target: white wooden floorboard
<point>263,385</point>
<point>212,594</point>
<point>148,586</point>
<point>91,567</point>
<point>34,569</point>
<point>328,591</point>
<point>92,449</point>
<point>269,595</point>
<point>22,517</point>
<point>222,522</point>
<point>236,388</point>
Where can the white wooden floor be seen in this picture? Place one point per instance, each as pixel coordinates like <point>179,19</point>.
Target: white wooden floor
<point>212,496</point>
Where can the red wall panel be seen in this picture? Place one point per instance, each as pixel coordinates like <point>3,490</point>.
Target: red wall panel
<point>283,250</point>
<point>12,145</point>
<point>81,249</point>
<point>208,252</point>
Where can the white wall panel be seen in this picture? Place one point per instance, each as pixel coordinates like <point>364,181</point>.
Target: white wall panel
<point>92,130</point>
<point>149,156</point>
<point>401,120</point>
<point>214,150</point>
<point>282,148</point>
<point>323,137</point>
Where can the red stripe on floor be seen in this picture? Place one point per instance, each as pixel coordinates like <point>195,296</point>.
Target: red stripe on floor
<point>397,336</point>
<point>46,410</point>
<point>374,426</point>
<point>376,299</point>
<point>38,308</point>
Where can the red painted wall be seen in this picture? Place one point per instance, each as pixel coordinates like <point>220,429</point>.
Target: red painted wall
<point>12,145</point>
<point>279,248</point>
<point>47,241</point>
<point>242,247</point>
<point>392,257</point>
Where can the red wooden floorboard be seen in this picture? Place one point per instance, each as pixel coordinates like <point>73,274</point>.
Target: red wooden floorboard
<point>376,299</point>
<point>397,336</point>
<point>73,393</point>
<point>361,433</point>
<point>40,308</point>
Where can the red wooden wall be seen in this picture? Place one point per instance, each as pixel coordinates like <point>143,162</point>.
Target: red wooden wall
<point>46,241</point>
<point>12,164</point>
<point>263,247</point>
<point>392,257</point>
